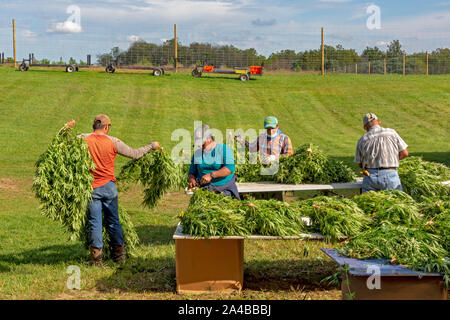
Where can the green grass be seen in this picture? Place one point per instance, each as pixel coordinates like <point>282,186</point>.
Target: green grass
<point>327,111</point>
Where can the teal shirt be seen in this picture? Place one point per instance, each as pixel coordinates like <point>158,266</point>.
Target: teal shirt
<point>206,162</point>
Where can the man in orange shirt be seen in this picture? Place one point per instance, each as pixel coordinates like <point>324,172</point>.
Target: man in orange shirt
<point>104,149</point>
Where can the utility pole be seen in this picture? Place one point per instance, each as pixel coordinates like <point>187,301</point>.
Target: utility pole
<point>14,42</point>
<point>176,49</point>
<point>323,54</point>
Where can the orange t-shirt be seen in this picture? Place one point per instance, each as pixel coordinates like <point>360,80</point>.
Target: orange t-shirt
<point>103,152</point>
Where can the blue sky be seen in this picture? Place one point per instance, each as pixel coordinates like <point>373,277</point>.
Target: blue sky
<point>267,26</point>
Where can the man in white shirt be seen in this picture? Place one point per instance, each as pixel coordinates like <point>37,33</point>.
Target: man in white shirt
<point>379,151</point>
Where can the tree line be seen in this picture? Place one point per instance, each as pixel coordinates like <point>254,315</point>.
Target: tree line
<point>337,59</point>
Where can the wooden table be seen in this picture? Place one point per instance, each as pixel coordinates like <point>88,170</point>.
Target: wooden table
<point>277,189</point>
<point>215,264</point>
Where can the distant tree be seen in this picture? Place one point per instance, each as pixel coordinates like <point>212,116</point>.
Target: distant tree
<point>72,61</point>
<point>394,49</point>
<point>373,54</point>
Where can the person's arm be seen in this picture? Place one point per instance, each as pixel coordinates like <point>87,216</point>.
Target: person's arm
<point>287,149</point>
<point>402,147</point>
<point>403,154</point>
<point>124,150</point>
<point>192,174</point>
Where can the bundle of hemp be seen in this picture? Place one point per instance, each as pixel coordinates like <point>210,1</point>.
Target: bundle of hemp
<point>210,214</point>
<point>307,165</point>
<point>336,218</point>
<point>63,184</point>
<point>62,181</point>
<point>156,172</point>
<point>394,207</point>
<point>437,218</point>
<point>415,248</point>
<point>213,215</point>
<point>273,218</point>
<point>423,178</point>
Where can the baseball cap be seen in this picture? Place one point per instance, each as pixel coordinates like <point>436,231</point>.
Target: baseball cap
<point>270,123</point>
<point>369,118</point>
<point>102,119</point>
<point>201,134</point>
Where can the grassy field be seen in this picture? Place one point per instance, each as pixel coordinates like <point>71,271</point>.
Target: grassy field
<point>35,253</point>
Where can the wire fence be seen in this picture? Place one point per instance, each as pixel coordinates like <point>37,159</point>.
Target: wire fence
<point>188,57</point>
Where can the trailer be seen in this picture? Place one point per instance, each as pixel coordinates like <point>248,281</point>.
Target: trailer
<point>244,73</point>
<point>27,63</point>
<point>157,71</point>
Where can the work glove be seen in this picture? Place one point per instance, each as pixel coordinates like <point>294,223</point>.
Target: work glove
<point>267,159</point>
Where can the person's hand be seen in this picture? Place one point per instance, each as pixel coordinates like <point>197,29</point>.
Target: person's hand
<point>239,139</point>
<point>156,145</point>
<point>192,183</point>
<point>71,123</point>
<point>206,179</point>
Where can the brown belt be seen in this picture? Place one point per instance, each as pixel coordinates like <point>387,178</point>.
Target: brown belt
<point>393,168</point>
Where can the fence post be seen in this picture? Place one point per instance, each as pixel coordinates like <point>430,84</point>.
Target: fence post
<point>404,65</point>
<point>323,54</point>
<point>384,66</point>
<point>176,48</point>
<point>356,68</point>
<point>427,65</point>
<point>14,42</point>
<point>369,68</point>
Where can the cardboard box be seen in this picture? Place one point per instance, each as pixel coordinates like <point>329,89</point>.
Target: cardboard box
<point>396,288</point>
<point>204,265</point>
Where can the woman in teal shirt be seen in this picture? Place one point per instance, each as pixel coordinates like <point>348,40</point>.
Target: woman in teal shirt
<point>212,166</point>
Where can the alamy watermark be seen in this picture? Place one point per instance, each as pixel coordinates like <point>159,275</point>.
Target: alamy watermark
<point>374,20</point>
<point>239,140</point>
<point>374,280</point>
<point>74,280</point>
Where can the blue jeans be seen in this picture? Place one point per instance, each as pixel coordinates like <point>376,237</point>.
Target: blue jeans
<point>381,180</point>
<point>104,199</point>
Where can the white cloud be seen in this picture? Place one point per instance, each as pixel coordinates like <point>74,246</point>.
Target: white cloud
<point>133,38</point>
<point>66,27</point>
<point>28,33</point>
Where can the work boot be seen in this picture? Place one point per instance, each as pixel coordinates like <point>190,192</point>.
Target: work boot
<point>96,256</point>
<point>118,254</point>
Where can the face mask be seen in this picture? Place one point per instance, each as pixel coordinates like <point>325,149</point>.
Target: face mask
<point>273,133</point>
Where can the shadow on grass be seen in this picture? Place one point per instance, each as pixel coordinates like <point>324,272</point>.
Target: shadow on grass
<point>442,157</point>
<point>48,255</point>
<point>155,234</point>
<point>141,275</point>
<point>158,274</point>
<point>284,275</point>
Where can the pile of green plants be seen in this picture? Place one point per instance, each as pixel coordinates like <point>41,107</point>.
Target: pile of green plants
<point>403,231</point>
<point>389,206</point>
<point>210,214</point>
<point>423,178</point>
<point>157,173</point>
<point>413,247</point>
<point>336,218</point>
<point>63,185</point>
<point>308,164</point>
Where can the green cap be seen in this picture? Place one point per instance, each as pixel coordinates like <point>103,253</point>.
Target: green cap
<point>270,123</point>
